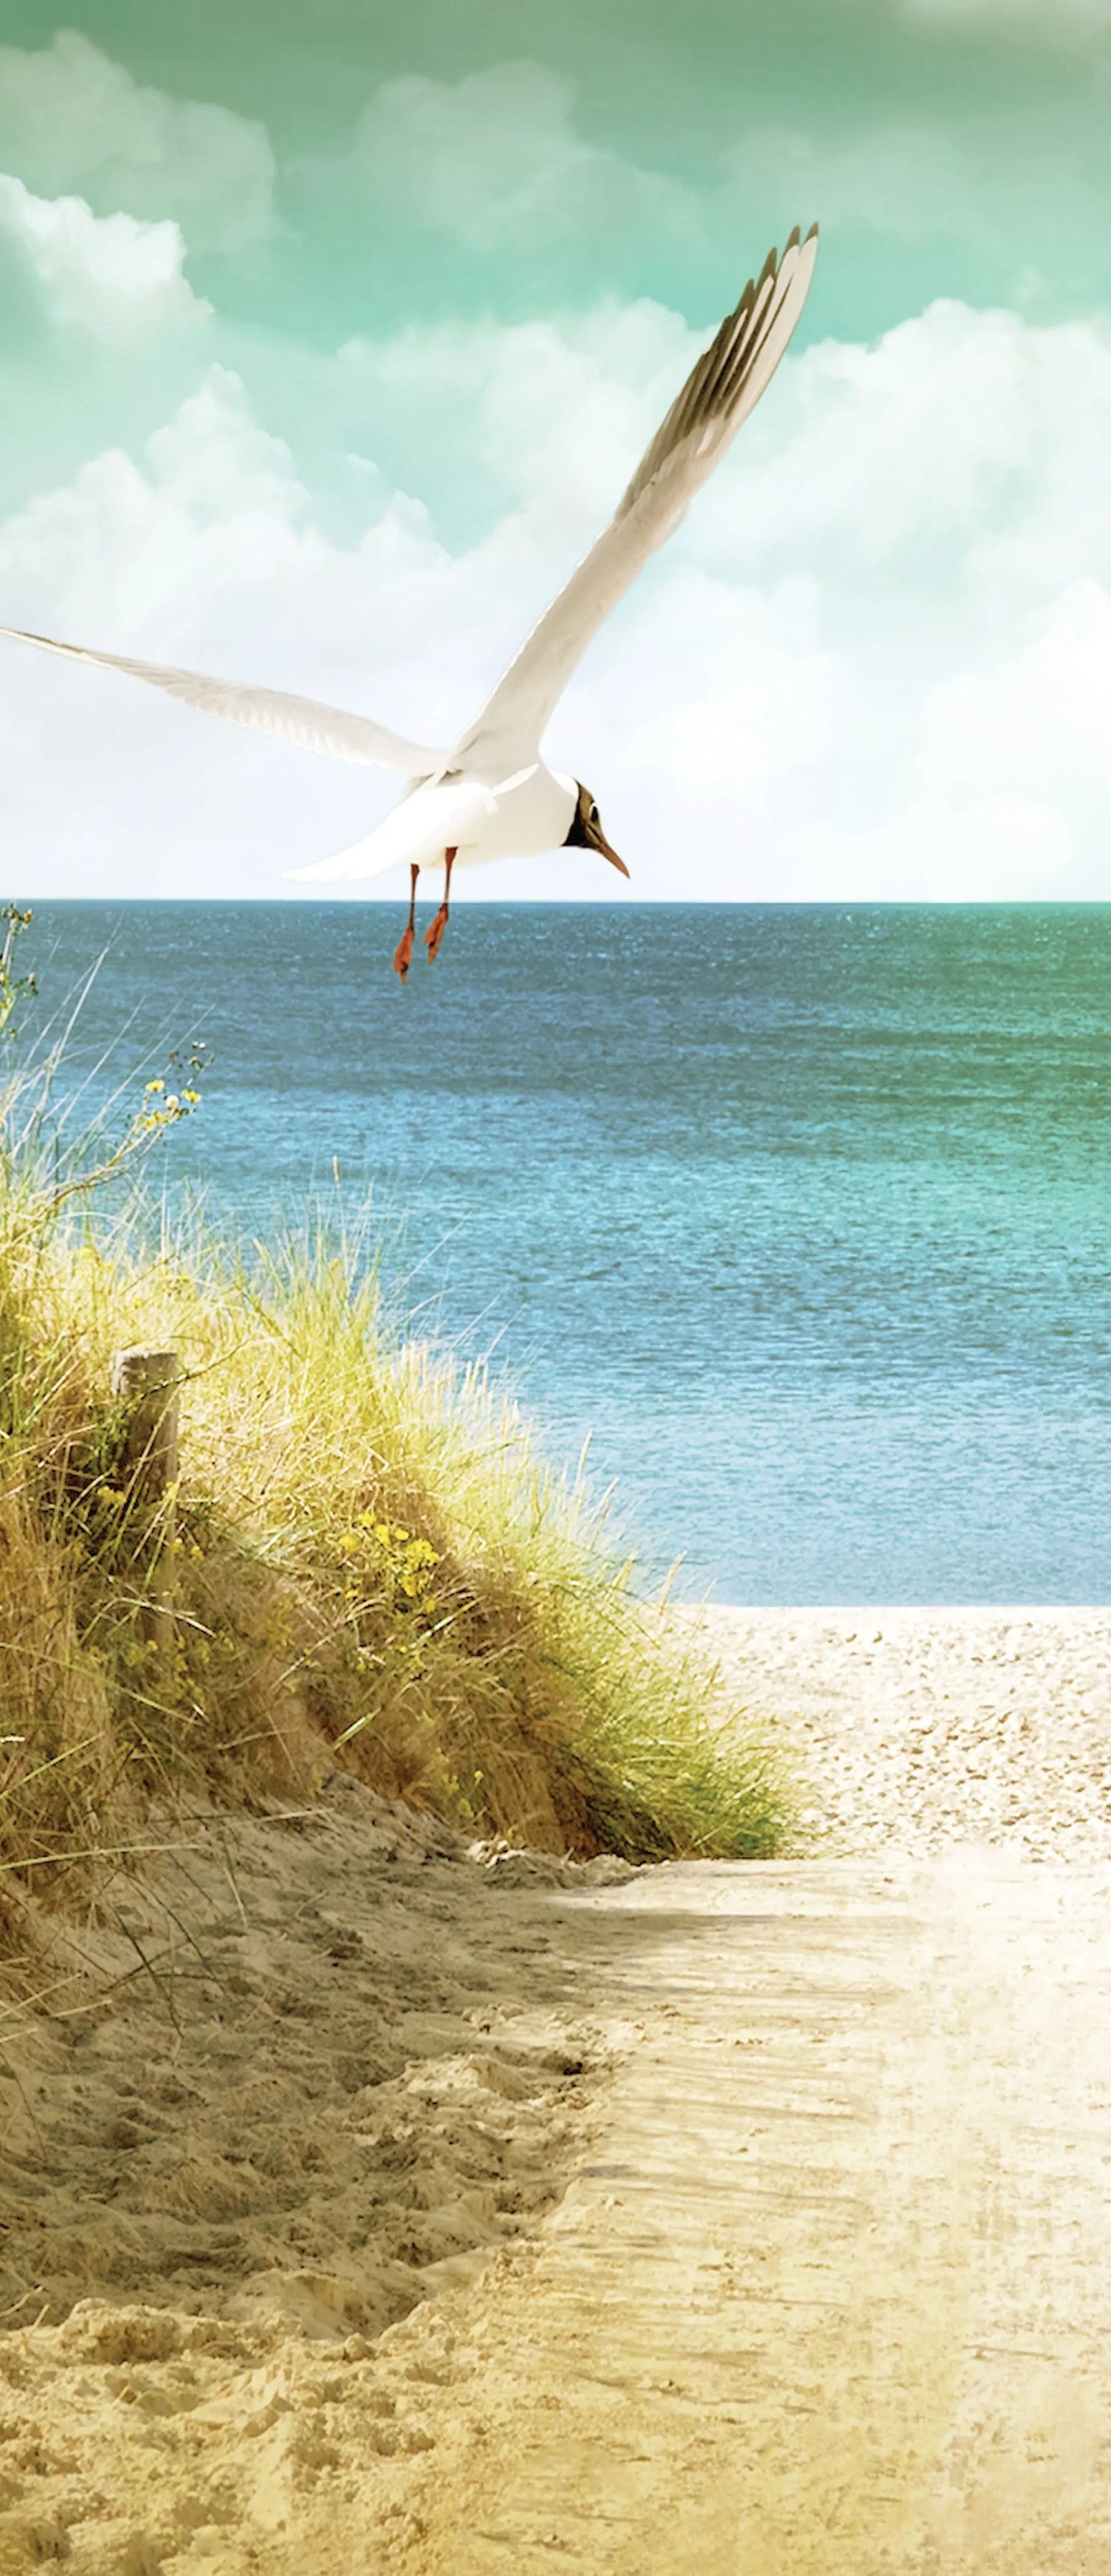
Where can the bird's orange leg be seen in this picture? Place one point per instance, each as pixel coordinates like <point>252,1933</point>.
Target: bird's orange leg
<point>403,953</point>
<point>436,929</point>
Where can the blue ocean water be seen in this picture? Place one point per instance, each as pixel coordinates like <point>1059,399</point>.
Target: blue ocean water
<point>802,1212</point>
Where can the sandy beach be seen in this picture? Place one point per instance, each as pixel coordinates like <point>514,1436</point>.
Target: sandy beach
<point>922,1728</point>
<point>371,2203</point>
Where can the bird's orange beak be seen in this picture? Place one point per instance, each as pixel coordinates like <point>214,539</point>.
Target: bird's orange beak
<point>596,840</point>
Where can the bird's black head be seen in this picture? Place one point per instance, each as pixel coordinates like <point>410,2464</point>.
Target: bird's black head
<point>586,830</point>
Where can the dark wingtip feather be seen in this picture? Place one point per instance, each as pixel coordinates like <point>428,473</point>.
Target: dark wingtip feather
<point>714,382</point>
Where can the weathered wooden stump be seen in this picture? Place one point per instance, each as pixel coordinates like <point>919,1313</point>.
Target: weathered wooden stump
<point>146,1383</point>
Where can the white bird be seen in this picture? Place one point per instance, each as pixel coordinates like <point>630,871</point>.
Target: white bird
<point>492,796</point>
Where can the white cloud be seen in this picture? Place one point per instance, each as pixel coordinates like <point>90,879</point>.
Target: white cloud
<point>73,120</point>
<point>495,162</point>
<point>908,180</point>
<point>502,162</point>
<point>551,412</point>
<point>1040,718</point>
<point>107,277</point>
<point>980,849</point>
<point>205,552</point>
<point>964,449</point>
<point>877,660</point>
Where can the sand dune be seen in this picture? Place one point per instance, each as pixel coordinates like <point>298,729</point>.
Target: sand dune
<point>299,2076</point>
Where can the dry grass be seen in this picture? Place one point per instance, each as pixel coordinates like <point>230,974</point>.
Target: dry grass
<point>366,1562</point>
<point>367,1566</point>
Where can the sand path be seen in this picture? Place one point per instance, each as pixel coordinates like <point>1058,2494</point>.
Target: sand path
<point>825,2283</point>
<point>832,2292</point>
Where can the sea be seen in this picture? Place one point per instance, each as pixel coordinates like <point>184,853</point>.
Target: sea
<point>800,1214</point>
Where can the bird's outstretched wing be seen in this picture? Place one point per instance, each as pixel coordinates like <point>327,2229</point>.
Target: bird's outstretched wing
<point>302,721</point>
<point>719,393</point>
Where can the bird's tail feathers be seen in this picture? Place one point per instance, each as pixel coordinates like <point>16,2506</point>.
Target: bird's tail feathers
<point>363,859</point>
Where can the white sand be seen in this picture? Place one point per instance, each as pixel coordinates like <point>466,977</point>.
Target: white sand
<point>921,1728</point>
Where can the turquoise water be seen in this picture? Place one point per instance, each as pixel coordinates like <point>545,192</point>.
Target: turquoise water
<point>802,1212</point>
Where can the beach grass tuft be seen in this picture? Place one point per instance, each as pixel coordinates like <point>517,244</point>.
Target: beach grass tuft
<point>365,1565</point>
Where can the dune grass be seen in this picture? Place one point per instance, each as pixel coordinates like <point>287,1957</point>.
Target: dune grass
<point>366,1564</point>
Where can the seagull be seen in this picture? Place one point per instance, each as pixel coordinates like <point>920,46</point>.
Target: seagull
<point>491,795</point>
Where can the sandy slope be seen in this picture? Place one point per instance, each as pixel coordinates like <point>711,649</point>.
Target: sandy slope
<point>303,2073</point>
<point>824,2281</point>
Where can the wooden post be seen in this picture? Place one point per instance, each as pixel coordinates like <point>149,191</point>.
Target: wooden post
<point>146,1382</point>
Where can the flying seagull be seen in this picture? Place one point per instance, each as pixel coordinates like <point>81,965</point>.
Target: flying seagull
<point>492,796</point>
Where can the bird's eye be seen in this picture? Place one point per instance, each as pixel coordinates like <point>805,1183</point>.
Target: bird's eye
<point>593,813</point>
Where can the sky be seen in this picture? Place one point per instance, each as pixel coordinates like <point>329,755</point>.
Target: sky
<point>329,339</point>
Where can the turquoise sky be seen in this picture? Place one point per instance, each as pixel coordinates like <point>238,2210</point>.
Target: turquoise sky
<point>954,148</point>
<point>325,343</point>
